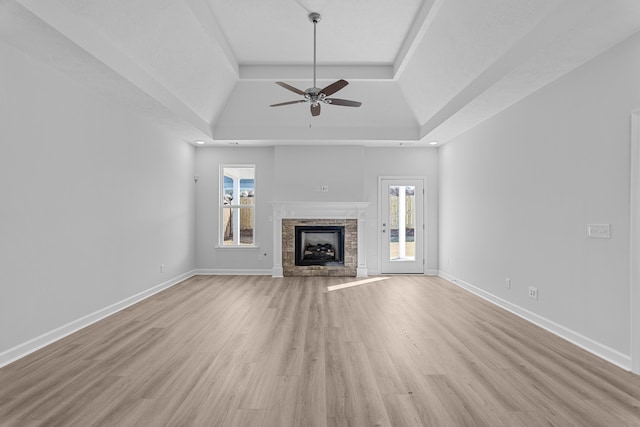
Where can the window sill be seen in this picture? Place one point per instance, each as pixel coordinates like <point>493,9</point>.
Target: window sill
<point>242,247</point>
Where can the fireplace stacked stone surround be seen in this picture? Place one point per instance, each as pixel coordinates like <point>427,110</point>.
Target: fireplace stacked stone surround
<point>319,211</point>
<point>350,248</point>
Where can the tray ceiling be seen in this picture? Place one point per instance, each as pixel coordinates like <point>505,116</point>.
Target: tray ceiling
<point>424,70</point>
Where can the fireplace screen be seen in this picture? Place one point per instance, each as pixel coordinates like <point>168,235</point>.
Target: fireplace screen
<point>319,245</point>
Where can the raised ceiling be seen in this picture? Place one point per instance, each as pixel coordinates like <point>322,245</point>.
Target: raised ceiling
<point>425,70</point>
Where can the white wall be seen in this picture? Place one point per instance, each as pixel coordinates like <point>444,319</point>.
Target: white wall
<point>402,162</point>
<point>209,258</point>
<point>93,200</point>
<point>301,171</point>
<point>288,173</point>
<point>517,193</point>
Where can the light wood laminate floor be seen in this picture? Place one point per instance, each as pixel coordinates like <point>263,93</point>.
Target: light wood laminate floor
<point>259,351</point>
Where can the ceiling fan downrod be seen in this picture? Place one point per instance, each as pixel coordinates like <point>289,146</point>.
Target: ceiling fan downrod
<point>315,18</point>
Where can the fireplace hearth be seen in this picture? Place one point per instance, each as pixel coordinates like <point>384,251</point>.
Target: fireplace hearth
<point>319,245</point>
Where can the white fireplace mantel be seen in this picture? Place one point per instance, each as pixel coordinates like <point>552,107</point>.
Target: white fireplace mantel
<point>319,210</point>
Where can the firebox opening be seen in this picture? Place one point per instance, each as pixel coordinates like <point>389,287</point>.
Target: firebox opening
<point>319,245</point>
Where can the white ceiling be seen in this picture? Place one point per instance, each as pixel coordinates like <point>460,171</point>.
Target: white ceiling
<point>423,69</point>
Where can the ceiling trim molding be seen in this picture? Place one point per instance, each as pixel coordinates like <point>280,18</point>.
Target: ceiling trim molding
<point>93,43</point>
<point>319,133</point>
<point>425,17</point>
<point>305,72</point>
<point>522,50</point>
<point>207,19</point>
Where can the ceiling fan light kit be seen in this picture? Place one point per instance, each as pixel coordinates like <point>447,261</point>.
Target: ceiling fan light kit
<point>314,95</point>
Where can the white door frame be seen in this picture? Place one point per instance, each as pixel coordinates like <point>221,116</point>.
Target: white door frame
<point>634,250</point>
<point>425,236</point>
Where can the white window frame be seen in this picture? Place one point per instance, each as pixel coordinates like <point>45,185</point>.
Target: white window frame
<point>235,208</point>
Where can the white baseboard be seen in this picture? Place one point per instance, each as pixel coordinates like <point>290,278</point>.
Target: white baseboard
<point>426,273</point>
<point>232,272</point>
<point>50,337</point>
<point>594,347</point>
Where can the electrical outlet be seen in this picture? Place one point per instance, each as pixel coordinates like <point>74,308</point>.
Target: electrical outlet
<point>533,292</point>
<point>325,188</point>
<point>507,283</point>
<point>161,268</point>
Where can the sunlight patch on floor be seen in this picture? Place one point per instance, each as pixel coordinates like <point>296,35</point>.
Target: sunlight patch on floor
<point>356,283</point>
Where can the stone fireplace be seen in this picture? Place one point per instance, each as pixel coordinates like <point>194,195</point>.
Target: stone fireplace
<point>329,236</point>
<point>293,263</point>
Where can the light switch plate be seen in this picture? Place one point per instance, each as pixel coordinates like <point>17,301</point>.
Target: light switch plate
<point>599,231</point>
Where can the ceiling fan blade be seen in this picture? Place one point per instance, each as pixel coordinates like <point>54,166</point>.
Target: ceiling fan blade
<point>343,102</point>
<point>334,87</point>
<point>291,88</point>
<point>315,110</point>
<point>288,103</point>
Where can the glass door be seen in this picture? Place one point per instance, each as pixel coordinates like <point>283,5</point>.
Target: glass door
<point>401,225</point>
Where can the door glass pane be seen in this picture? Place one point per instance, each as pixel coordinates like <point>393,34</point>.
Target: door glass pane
<point>402,223</point>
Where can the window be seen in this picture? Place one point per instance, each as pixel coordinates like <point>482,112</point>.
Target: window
<point>237,205</point>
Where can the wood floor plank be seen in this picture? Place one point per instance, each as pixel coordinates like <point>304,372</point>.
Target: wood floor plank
<point>284,402</point>
<point>29,396</point>
<point>215,400</point>
<point>311,405</point>
<point>403,411</point>
<point>260,351</point>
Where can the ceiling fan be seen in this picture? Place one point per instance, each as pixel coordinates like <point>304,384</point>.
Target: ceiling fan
<point>315,95</point>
